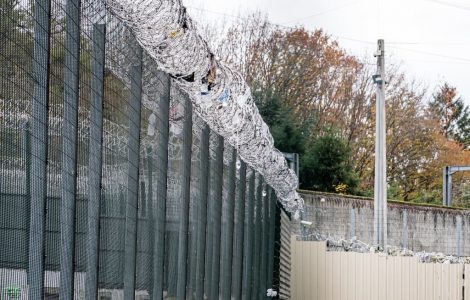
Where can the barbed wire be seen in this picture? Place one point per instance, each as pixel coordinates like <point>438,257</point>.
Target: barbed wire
<point>219,94</point>
<point>335,243</point>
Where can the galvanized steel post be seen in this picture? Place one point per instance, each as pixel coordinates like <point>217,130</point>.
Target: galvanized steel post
<point>237,260</point>
<point>257,242</point>
<point>69,149</point>
<point>130,239</point>
<point>185,197</point>
<point>264,242</point>
<point>147,215</point>
<point>159,213</point>
<point>248,240</point>
<point>39,128</point>
<point>26,148</point>
<point>215,186</point>
<point>217,217</point>
<point>272,232</point>
<point>227,232</point>
<point>202,213</point>
<point>95,160</point>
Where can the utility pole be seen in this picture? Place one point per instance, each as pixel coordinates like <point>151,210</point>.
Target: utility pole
<point>380,180</point>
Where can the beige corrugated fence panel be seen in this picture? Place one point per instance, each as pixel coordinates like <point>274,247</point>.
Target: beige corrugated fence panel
<point>467,281</point>
<point>285,258</point>
<point>330,275</point>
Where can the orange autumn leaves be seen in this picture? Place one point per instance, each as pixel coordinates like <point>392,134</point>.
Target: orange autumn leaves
<point>325,87</point>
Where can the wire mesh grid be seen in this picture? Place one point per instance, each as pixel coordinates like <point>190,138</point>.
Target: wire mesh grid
<point>111,187</point>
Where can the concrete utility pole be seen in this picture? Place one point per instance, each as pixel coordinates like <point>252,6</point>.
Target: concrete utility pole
<point>380,182</point>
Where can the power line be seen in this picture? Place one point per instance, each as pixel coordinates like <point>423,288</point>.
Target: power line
<point>436,61</point>
<point>438,43</point>
<point>354,39</point>
<point>454,5</point>
<point>242,18</point>
<point>214,12</point>
<point>461,59</point>
<point>275,24</point>
<point>338,7</point>
<point>432,54</point>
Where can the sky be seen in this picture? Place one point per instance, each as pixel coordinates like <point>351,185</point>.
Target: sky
<point>430,39</point>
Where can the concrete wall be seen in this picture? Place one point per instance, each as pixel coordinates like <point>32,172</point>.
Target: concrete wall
<point>415,227</point>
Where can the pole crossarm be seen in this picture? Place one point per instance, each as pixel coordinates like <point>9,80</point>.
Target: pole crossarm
<point>454,169</point>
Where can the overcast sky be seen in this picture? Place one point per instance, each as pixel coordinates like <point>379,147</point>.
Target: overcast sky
<point>430,38</point>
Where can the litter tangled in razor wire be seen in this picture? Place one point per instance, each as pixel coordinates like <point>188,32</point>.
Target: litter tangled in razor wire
<point>271,293</point>
<point>219,94</point>
<point>355,245</point>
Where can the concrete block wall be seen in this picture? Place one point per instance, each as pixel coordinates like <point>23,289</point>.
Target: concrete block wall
<point>415,227</point>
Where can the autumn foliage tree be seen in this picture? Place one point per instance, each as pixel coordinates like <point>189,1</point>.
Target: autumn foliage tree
<point>452,113</point>
<point>307,86</point>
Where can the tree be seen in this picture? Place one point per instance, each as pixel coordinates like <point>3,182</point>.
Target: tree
<point>305,84</point>
<point>453,114</point>
<point>287,133</point>
<point>15,48</point>
<point>308,71</point>
<point>326,166</point>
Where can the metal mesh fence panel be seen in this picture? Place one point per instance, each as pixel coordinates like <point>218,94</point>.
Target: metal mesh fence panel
<point>22,59</point>
<point>110,187</point>
<point>248,239</point>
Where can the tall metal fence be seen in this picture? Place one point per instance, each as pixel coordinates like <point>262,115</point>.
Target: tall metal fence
<point>110,187</point>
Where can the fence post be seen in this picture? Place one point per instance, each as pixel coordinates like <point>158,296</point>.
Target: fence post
<point>272,232</point>
<point>404,231</point>
<point>159,213</point>
<point>202,212</point>
<point>352,222</point>
<point>69,146</point>
<point>266,194</point>
<point>217,217</point>
<point>130,240</point>
<point>237,260</point>
<point>458,236</point>
<point>215,185</point>
<point>226,242</point>
<point>277,247</point>
<point>185,198</point>
<point>39,128</point>
<point>257,242</point>
<point>248,240</point>
<point>149,208</point>
<point>26,148</point>
<point>95,160</point>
